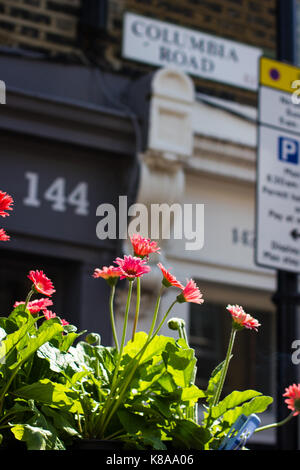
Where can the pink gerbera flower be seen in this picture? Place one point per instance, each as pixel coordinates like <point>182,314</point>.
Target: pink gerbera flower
<point>6,201</point>
<point>3,236</point>
<point>241,319</point>
<point>35,306</point>
<point>111,274</point>
<point>293,398</point>
<point>132,267</point>
<point>49,314</point>
<point>41,283</point>
<point>143,246</point>
<point>168,278</point>
<point>190,293</point>
<point>64,322</point>
<point>107,272</point>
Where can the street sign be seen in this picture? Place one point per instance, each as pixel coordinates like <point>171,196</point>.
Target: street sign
<point>278,168</point>
<point>164,44</point>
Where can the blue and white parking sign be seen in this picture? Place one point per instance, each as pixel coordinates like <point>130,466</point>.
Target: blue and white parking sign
<point>288,150</point>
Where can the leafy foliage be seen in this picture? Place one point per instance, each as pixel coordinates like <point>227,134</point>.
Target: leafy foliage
<point>53,392</point>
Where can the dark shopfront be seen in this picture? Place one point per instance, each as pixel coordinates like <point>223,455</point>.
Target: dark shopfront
<point>64,151</point>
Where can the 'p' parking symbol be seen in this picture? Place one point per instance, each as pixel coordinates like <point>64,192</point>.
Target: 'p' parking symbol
<point>288,150</point>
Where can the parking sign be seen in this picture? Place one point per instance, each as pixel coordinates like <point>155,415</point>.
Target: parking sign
<point>288,150</point>
<point>278,169</point>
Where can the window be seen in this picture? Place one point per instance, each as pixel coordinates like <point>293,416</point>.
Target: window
<point>251,366</point>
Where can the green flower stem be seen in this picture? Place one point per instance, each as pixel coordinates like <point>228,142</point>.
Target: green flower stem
<point>124,332</point>
<point>182,334</point>
<point>156,311</point>
<point>126,317</point>
<point>30,294</point>
<point>225,368</point>
<point>137,309</point>
<point>127,377</point>
<point>276,425</point>
<point>112,318</point>
<point>116,371</point>
<point>163,320</point>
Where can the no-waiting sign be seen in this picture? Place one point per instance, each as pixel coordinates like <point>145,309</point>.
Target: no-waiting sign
<point>278,168</point>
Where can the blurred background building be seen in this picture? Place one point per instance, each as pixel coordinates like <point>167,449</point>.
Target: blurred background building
<point>87,120</point>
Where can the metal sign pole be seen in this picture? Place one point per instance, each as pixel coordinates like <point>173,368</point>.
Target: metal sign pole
<point>286,300</point>
<point>287,282</point>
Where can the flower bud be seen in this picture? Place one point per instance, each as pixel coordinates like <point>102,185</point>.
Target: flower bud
<point>93,338</point>
<point>176,323</point>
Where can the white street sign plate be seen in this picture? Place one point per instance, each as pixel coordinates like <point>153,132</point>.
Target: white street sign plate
<point>278,169</point>
<point>278,205</point>
<point>277,109</point>
<point>200,54</point>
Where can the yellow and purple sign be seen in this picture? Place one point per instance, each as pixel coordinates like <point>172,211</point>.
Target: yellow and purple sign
<point>278,75</point>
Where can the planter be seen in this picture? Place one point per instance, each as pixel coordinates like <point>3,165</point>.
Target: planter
<point>13,444</point>
<point>96,444</point>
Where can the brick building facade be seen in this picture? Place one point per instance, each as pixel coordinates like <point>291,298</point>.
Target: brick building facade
<point>57,28</point>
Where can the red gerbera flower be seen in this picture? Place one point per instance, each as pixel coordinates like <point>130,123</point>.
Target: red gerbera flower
<point>6,201</point>
<point>293,398</point>
<point>49,314</point>
<point>168,278</point>
<point>36,305</point>
<point>242,319</point>
<point>190,293</point>
<point>3,236</point>
<point>143,246</point>
<point>132,267</point>
<point>64,322</point>
<point>111,274</point>
<point>41,283</point>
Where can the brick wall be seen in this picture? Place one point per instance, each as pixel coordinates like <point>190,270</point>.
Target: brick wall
<point>51,26</point>
<point>40,25</point>
<point>249,21</point>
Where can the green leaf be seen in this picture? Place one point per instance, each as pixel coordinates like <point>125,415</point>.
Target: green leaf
<point>50,329</point>
<point>257,405</point>
<point>192,394</point>
<point>59,361</point>
<point>61,420</point>
<point>14,339</point>
<point>67,341</point>
<point>163,405</point>
<point>233,400</point>
<point>180,363</point>
<point>37,432</point>
<point>37,438</point>
<point>98,359</point>
<point>20,316</point>
<point>2,333</point>
<point>188,435</point>
<point>51,393</point>
<point>214,382</point>
<point>157,345</point>
<point>131,422</point>
<point>167,383</point>
<point>140,430</point>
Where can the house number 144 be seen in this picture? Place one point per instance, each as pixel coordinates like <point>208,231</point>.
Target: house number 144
<point>56,195</point>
